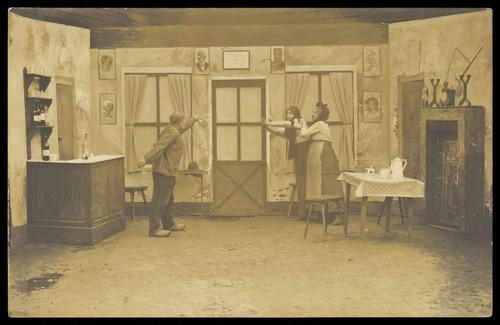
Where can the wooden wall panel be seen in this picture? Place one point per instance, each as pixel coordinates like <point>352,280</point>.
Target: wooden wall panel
<point>253,35</point>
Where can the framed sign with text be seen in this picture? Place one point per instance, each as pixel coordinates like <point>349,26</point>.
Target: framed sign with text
<point>236,60</point>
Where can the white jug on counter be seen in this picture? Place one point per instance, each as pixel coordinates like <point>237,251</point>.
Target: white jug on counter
<point>397,167</point>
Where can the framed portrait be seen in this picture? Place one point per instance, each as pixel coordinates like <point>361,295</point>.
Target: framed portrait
<point>107,66</point>
<point>371,61</point>
<point>236,60</point>
<point>107,108</point>
<point>202,62</point>
<point>277,59</point>
<point>372,110</point>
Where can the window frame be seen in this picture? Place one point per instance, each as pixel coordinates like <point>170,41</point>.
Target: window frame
<point>326,69</point>
<point>157,72</point>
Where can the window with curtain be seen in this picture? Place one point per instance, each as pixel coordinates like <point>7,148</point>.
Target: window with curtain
<point>334,89</point>
<point>161,95</point>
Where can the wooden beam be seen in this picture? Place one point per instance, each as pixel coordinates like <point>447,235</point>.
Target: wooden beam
<point>237,35</point>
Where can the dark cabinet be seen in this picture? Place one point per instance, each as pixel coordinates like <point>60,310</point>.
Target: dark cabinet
<point>36,105</point>
<point>452,165</point>
<point>76,201</point>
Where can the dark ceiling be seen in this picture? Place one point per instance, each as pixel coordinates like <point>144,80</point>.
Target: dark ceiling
<point>101,18</point>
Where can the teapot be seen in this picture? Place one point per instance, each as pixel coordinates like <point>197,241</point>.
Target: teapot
<point>397,167</point>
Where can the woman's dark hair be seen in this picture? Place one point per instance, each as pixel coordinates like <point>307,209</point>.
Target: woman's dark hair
<point>324,112</point>
<point>295,111</point>
<point>290,132</point>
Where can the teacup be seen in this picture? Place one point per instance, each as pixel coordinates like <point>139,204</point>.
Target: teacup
<point>370,171</point>
<point>384,172</point>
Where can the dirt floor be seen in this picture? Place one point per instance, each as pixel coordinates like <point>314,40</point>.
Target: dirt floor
<point>256,267</point>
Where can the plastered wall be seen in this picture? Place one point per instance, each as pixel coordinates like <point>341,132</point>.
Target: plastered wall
<point>439,37</point>
<point>35,43</point>
<point>373,138</point>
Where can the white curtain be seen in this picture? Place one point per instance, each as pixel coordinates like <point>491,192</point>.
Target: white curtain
<point>134,90</point>
<point>342,88</point>
<point>296,89</point>
<point>180,92</point>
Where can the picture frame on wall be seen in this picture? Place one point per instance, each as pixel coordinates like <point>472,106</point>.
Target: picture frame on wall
<point>277,59</point>
<point>372,109</point>
<point>107,64</point>
<point>107,108</point>
<point>371,61</point>
<point>236,60</point>
<point>202,61</point>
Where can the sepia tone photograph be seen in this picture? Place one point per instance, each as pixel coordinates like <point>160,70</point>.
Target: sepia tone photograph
<point>164,163</point>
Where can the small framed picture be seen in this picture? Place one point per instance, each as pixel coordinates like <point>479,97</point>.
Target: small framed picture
<point>371,61</point>
<point>107,67</point>
<point>236,60</point>
<point>107,107</point>
<point>372,112</point>
<point>277,59</point>
<point>202,62</point>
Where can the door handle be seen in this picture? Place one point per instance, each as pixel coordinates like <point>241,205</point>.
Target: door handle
<point>59,139</point>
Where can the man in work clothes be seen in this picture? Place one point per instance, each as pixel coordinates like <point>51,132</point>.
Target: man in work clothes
<point>165,157</point>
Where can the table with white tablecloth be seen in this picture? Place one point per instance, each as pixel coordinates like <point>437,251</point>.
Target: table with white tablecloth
<point>374,185</point>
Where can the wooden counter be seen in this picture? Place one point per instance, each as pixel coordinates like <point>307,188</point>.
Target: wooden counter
<point>76,201</point>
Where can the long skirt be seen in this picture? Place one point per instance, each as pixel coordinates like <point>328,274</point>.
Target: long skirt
<point>322,170</point>
<point>301,150</point>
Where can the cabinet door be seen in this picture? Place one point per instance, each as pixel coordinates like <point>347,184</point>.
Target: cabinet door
<point>58,194</point>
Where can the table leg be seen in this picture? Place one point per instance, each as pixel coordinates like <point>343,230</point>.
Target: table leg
<point>145,204</point>
<point>308,217</point>
<point>383,209</point>
<point>364,204</point>
<point>132,203</point>
<point>401,210</point>
<point>346,217</point>
<point>388,213</point>
<point>323,215</point>
<point>201,196</point>
<point>409,212</point>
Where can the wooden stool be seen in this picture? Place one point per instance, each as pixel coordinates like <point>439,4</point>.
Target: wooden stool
<point>294,189</point>
<point>323,200</point>
<point>132,190</point>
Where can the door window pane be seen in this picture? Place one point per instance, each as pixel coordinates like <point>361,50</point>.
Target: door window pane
<point>250,104</point>
<point>251,143</point>
<point>227,143</point>
<point>226,105</point>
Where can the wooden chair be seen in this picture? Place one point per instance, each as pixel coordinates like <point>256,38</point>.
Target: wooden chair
<point>132,190</point>
<point>323,200</point>
<point>294,189</point>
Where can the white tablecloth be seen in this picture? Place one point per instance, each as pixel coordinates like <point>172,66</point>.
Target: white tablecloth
<point>374,185</point>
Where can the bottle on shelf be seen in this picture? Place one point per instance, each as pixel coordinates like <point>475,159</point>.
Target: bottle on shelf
<point>35,113</point>
<point>85,147</point>
<point>42,116</point>
<point>45,148</point>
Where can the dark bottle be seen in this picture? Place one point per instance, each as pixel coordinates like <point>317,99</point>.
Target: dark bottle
<point>42,116</point>
<point>35,119</point>
<point>85,147</point>
<point>45,148</point>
